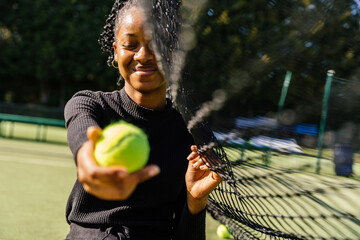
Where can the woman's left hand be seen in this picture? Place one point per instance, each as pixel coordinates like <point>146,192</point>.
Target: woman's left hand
<point>200,182</point>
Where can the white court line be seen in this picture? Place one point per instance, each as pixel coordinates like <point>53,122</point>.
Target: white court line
<point>36,161</point>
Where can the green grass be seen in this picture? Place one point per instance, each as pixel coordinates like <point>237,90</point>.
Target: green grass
<point>36,180</point>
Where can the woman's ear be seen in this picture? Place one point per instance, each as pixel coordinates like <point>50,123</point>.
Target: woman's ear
<point>115,51</point>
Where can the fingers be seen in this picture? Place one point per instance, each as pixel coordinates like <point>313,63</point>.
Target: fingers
<point>146,173</point>
<point>93,133</point>
<point>194,154</point>
<point>109,183</point>
<point>199,164</point>
<point>194,148</point>
<point>217,178</point>
<point>196,160</point>
<point>107,175</point>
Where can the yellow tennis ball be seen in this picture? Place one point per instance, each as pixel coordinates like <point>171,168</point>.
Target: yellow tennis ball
<point>122,144</point>
<point>223,232</point>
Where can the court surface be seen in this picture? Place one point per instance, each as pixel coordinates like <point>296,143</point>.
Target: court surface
<point>36,179</point>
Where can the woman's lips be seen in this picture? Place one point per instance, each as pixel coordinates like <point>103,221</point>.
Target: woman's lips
<point>145,71</point>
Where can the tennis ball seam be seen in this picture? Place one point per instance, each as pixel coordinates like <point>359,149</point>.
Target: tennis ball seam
<point>122,144</point>
<point>118,144</point>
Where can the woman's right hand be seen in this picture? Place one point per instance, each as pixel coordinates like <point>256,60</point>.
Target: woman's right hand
<point>107,183</point>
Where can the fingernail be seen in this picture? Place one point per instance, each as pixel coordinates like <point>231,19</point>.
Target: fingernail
<point>194,148</point>
<point>203,167</point>
<point>155,170</point>
<point>191,156</point>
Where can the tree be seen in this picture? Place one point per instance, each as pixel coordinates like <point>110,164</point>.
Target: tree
<point>245,47</point>
<point>51,49</point>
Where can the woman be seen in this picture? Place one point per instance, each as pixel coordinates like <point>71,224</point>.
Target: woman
<point>167,198</point>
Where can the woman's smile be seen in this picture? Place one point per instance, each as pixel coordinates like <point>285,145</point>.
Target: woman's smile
<point>145,70</point>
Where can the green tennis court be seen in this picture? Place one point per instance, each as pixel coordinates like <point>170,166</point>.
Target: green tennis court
<point>35,181</point>
<point>37,177</point>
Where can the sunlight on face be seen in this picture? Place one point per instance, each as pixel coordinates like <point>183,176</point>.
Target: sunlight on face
<point>136,60</point>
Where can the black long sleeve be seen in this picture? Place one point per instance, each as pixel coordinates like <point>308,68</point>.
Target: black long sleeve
<point>150,209</point>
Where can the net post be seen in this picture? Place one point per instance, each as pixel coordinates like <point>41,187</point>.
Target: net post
<point>329,78</point>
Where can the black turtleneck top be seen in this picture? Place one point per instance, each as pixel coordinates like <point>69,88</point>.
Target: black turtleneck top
<point>157,208</point>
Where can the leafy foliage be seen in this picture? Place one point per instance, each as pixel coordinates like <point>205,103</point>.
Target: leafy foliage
<point>50,49</point>
<point>245,47</point>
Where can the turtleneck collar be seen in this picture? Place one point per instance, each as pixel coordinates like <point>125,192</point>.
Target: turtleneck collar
<point>140,112</point>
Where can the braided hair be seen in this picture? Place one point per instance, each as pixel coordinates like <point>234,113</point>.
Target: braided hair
<point>107,38</point>
<point>166,19</point>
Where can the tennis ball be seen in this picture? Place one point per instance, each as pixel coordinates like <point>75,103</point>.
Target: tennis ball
<point>122,144</point>
<point>223,232</point>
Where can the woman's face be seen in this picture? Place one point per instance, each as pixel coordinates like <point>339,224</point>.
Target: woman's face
<point>137,63</point>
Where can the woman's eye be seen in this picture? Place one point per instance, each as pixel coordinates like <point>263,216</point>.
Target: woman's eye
<point>129,46</point>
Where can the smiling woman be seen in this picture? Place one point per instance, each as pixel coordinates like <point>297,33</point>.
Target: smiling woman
<point>167,198</point>
<point>144,83</point>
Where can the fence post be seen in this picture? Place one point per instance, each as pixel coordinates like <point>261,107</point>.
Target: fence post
<point>283,95</point>
<point>286,83</point>
<point>330,75</point>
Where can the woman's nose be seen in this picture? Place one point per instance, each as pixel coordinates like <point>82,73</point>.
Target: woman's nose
<point>144,54</point>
